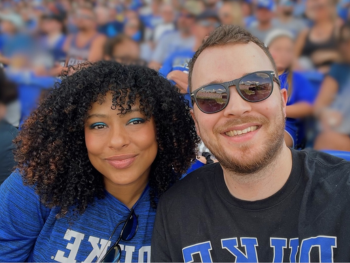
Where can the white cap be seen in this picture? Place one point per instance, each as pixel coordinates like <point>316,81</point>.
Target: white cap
<point>276,33</point>
<point>15,19</point>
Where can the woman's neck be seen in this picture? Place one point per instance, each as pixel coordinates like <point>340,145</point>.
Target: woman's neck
<point>130,193</point>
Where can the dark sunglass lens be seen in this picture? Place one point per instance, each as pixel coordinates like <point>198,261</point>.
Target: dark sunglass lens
<point>256,86</point>
<point>130,227</point>
<point>112,255</point>
<point>212,98</point>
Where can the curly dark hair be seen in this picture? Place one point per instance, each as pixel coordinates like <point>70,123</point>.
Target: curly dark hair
<point>50,149</point>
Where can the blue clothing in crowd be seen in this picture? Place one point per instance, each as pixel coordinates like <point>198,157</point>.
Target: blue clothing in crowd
<point>111,29</point>
<point>30,87</point>
<point>340,73</point>
<point>302,91</point>
<point>178,60</point>
<point>31,232</point>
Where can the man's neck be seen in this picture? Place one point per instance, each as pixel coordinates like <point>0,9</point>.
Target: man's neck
<point>264,25</point>
<point>264,183</point>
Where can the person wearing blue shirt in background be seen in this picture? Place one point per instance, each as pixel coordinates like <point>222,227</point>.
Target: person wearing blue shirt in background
<point>13,40</point>
<point>301,95</point>
<point>94,157</point>
<point>30,87</point>
<point>105,25</point>
<point>175,67</point>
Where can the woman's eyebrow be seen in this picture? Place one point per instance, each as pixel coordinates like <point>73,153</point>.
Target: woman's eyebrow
<point>97,115</point>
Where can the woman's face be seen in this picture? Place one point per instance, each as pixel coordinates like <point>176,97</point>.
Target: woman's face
<point>319,10</point>
<point>121,147</point>
<point>282,51</point>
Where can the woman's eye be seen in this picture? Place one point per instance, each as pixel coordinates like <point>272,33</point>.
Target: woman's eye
<point>136,121</point>
<point>98,126</point>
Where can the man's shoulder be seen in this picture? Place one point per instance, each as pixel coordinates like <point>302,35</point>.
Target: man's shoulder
<point>193,185</point>
<point>320,166</point>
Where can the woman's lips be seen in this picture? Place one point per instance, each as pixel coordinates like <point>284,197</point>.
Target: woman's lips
<point>121,161</point>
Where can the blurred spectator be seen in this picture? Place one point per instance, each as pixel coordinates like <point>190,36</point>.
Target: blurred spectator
<point>286,20</point>
<point>180,39</point>
<point>231,13</point>
<point>343,9</point>
<point>212,5</point>
<point>175,67</point>
<point>12,40</point>
<point>332,107</point>
<point>30,85</point>
<point>301,95</point>
<point>134,28</point>
<point>8,94</point>
<point>168,17</point>
<point>52,25</point>
<point>317,46</point>
<point>87,43</point>
<point>106,26</point>
<point>264,13</point>
<point>122,49</point>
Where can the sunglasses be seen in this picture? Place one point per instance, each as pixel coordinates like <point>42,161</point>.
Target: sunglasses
<point>128,232</point>
<point>253,87</point>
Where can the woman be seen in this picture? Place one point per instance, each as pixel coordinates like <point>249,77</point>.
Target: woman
<point>95,157</point>
<point>317,46</point>
<point>301,95</point>
<point>332,106</point>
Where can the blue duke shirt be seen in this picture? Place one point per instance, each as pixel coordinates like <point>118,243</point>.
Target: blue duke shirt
<point>30,232</point>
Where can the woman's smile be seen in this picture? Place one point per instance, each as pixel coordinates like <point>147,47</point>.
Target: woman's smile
<point>122,161</point>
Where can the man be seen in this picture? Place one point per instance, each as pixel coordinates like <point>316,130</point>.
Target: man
<point>286,20</point>
<point>175,67</point>
<point>262,202</point>
<point>87,43</point>
<point>176,40</point>
<point>12,39</point>
<point>264,13</point>
<point>168,16</point>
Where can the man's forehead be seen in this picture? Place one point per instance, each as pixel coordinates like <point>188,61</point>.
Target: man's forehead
<point>228,62</point>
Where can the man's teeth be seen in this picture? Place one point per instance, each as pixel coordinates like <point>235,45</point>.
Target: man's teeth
<point>239,132</point>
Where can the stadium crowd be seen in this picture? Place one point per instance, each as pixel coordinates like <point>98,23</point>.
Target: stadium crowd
<point>44,41</point>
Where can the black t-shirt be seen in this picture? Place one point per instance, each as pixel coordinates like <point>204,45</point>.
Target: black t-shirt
<point>307,220</point>
<point>7,162</point>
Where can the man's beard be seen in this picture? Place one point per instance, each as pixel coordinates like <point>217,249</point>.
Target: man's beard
<point>272,146</point>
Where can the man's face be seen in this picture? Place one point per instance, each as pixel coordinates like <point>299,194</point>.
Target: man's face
<point>263,15</point>
<point>185,21</point>
<point>204,27</point>
<point>85,19</point>
<point>251,151</point>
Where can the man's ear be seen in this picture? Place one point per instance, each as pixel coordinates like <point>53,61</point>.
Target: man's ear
<point>195,122</point>
<point>284,97</point>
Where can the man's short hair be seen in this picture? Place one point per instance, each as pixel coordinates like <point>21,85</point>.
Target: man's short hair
<point>110,44</point>
<point>227,34</point>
